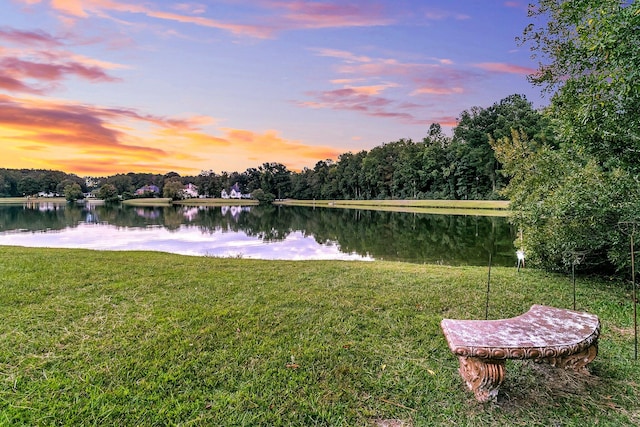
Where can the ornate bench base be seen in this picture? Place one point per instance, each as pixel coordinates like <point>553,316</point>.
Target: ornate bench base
<point>576,362</point>
<point>485,376</point>
<point>563,338</point>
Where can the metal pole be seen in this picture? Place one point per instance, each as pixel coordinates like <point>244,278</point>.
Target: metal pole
<point>635,304</point>
<point>486,308</point>
<point>573,274</point>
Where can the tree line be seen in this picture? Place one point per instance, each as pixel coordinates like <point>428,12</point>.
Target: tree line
<point>461,166</point>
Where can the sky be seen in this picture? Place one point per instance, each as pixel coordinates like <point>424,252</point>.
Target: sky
<point>100,87</point>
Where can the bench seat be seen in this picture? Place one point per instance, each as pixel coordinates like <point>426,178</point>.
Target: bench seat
<point>563,338</point>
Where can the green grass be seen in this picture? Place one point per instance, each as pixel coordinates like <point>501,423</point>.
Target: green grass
<point>20,200</point>
<point>157,201</point>
<point>445,207</point>
<point>143,338</point>
<point>148,201</point>
<point>217,202</point>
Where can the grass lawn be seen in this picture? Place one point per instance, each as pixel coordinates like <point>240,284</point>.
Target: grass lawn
<point>18,200</point>
<point>445,207</point>
<point>159,201</point>
<point>144,338</point>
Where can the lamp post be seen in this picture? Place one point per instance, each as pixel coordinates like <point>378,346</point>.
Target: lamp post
<point>630,227</point>
<point>576,258</point>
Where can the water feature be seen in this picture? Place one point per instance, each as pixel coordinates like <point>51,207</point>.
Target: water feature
<point>264,232</point>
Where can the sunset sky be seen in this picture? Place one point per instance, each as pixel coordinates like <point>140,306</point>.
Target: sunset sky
<point>98,87</point>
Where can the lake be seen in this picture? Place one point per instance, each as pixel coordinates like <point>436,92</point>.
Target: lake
<point>263,232</point>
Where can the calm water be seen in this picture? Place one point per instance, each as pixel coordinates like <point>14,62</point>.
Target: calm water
<point>264,232</point>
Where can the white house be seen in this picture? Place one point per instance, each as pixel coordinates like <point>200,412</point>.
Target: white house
<point>234,193</point>
<point>190,191</point>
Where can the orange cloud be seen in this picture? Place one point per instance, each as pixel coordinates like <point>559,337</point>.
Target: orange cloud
<point>94,140</point>
<point>64,125</point>
<point>271,146</point>
<point>372,90</point>
<point>427,90</point>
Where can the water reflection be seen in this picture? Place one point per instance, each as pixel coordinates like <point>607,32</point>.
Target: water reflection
<point>265,232</point>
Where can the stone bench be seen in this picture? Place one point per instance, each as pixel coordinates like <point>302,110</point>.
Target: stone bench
<point>564,338</point>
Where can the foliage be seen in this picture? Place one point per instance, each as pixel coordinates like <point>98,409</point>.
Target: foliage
<point>570,195</point>
<point>589,52</point>
<point>73,192</point>
<point>565,202</point>
<point>123,183</point>
<point>263,197</point>
<point>474,130</point>
<point>21,182</point>
<point>275,178</point>
<point>108,193</point>
<point>173,189</point>
<point>28,186</point>
<point>204,341</point>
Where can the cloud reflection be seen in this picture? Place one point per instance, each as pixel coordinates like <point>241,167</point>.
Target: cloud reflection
<point>187,240</point>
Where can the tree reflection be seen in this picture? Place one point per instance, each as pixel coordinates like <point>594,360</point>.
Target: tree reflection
<point>422,238</point>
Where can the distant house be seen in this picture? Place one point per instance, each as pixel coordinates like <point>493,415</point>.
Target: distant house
<point>47,194</point>
<point>147,189</point>
<point>234,193</point>
<point>190,191</point>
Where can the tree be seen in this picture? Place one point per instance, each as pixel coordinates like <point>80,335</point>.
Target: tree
<point>588,54</point>
<point>73,192</point>
<point>275,179</point>
<point>173,189</point>
<point>478,173</point>
<point>124,183</point>
<point>108,193</point>
<point>566,202</point>
<point>572,195</point>
<point>209,183</point>
<point>262,196</point>
<point>28,186</point>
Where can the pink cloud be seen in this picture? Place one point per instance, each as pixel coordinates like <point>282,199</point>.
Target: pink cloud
<point>517,5</point>
<point>342,54</point>
<point>192,8</point>
<point>11,84</point>
<point>384,67</point>
<point>305,14</point>
<point>439,15</point>
<point>280,15</point>
<point>439,78</point>
<point>435,90</point>
<point>500,67</point>
<point>362,102</point>
<point>40,70</point>
<point>52,72</point>
<point>443,81</point>
<point>28,38</point>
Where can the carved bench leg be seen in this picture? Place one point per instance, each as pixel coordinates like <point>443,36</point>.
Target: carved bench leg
<point>576,362</point>
<point>483,376</point>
